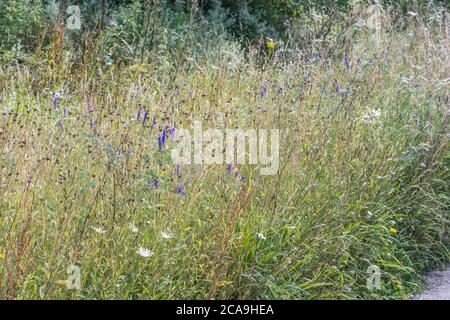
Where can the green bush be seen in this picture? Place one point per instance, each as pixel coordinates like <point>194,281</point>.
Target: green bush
<point>21,22</point>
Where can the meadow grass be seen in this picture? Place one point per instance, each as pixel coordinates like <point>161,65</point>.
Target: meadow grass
<point>363,179</point>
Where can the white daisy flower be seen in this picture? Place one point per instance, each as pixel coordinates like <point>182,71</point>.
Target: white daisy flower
<point>99,230</point>
<point>261,236</point>
<point>144,252</point>
<point>375,113</point>
<point>166,235</point>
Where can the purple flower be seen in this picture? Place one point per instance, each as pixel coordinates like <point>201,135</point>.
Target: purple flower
<point>172,132</point>
<point>155,183</point>
<point>446,99</point>
<point>65,112</point>
<point>177,170</point>
<point>139,113</point>
<point>55,101</point>
<point>229,169</point>
<point>346,93</point>
<point>160,142</point>
<point>145,117</point>
<point>91,123</point>
<point>337,89</point>
<point>154,122</point>
<point>346,62</point>
<point>180,189</point>
<point>263,92</point>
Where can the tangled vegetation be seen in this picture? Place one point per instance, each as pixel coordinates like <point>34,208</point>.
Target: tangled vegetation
<point>363,114</point>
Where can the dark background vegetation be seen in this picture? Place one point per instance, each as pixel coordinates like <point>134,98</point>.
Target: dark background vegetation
<point>135,28</point>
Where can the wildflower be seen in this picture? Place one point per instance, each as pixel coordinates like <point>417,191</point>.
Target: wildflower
<point>2,256</point>
<point>172,132</point>
<point>65,112</point>
<point>133,228</point>
<point>180,189</point>
<point>263,92</point>
<point>99,230</point>
<point>376,112</point>
<point>337,88</point>
<point>165,235</point>
<point>139,113</point>
<point>55,100</point>
<point>270,44</point>
<point>223,283</point>
<point>229,169</point>
<point>160,142</point>
<point>346,93</point>
<point>177,170</point>
<point>153,122</point>
<point>91,123</point>
<point>145,118</point>
<point>260,236</point>
<point>392,230</point>
<point>144,252</point>
<point>346,62</point>
<point>155,183</point>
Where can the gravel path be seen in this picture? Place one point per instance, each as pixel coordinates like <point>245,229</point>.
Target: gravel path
<point>438,286</point>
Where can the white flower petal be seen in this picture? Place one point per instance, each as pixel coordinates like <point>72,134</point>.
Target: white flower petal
<point>144,252</point>
<point>261,236</point>
<point>99,230</point>
<point>166,235</point>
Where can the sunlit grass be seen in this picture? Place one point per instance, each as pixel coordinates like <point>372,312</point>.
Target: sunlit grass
<point>363,177</point>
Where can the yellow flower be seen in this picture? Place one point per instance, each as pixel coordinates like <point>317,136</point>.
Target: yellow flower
<point>2,256</point>
<point>62,282</point>
<point>270,44</point>
<point>222,283</point>
<point>392,230</point>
